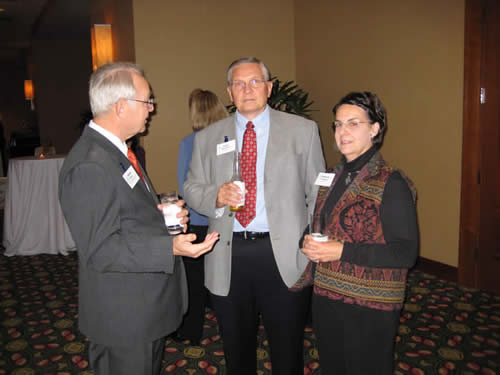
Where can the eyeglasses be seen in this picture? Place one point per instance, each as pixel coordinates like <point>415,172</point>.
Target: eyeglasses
<point>350,124</point>
<point>253,83</point>
<point>149,102</point>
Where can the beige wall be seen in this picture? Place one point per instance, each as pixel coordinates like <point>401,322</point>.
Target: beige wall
<point>411,54</point>
<point>188,44</point>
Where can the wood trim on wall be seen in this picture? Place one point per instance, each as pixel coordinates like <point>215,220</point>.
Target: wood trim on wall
<point>470,197</point>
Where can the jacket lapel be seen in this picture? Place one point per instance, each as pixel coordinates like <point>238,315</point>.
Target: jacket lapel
<point>120,160</point>
<point>276,129</point>
<point>224,162</point>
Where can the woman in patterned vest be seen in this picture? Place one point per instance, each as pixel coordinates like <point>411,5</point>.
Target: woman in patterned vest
<point>359,274</point>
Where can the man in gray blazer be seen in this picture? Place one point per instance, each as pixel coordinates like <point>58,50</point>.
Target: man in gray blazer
<point>132,288</point>
<point>257,258</point>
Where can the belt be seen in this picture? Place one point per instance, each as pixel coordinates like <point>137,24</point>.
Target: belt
<point>245,235</point>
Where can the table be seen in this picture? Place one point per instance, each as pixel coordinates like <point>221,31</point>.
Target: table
<point>33,219</point>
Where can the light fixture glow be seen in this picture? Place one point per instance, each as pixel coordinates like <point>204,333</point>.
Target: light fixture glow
<point>102,45</point>
<point>29,92</point>
<point>28,89</point>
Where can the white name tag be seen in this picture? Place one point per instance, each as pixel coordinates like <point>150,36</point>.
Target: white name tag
<point>131,177</point>
<point>225,147</point>
<point>324,179</point>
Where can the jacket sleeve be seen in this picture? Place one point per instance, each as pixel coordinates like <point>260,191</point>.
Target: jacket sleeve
<point>400,228</point>
<point>91,206</point>
<point>199,193</point>
<point>315,164</point>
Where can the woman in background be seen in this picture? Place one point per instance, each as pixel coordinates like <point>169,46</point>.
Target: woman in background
<point>359,274</point>
<point>205,108</point>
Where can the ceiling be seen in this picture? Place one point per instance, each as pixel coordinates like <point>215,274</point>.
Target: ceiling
<point>21,21</point>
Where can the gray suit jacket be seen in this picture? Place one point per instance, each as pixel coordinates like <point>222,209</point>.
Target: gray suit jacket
<point>293,160</point>
<point>131,286</point>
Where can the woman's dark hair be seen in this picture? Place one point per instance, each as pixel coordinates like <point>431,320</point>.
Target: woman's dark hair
<point>373,108</point>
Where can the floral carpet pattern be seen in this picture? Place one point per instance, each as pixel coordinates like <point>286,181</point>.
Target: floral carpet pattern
<point>444,329</point>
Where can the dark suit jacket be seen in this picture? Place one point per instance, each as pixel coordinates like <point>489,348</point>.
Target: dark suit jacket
<point>131,286</point>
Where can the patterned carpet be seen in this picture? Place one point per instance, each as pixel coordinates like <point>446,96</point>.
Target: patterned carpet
<point>445,329</point>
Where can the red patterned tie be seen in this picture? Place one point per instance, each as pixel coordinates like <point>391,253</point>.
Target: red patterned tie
<point>248,166</point>
<point>134,162</point>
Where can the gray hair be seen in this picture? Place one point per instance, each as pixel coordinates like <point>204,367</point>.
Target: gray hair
<point>110,83</point>
<point>247,60</point>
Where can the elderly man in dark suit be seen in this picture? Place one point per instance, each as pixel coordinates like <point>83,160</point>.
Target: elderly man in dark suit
<point>132,288</point>
<point>258,257</point>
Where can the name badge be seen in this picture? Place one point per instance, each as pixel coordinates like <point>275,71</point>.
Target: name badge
<point>324,179</point>
<point>131,177</point>
<point>225,147</point>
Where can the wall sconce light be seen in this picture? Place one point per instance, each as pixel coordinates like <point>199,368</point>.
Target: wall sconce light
<point>29,92</point>
<point>102,45</point>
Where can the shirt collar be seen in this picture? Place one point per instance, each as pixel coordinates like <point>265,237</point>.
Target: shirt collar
<point>258,122</point>
<point>122,146</point>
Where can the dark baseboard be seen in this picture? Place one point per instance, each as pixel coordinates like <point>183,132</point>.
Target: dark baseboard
<point>441,270</point>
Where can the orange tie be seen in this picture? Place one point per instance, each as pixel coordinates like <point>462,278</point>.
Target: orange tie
<point>134,162</point>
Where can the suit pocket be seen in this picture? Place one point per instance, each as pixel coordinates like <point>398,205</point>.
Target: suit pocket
<point>223,168</point>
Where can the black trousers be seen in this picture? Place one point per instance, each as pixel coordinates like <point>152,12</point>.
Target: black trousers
<point>257,287</point>
<point>352,339</point>
<point>127,360</point>
<point>192,324</point>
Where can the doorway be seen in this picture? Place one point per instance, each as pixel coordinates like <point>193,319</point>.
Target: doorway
<point>479,252</point>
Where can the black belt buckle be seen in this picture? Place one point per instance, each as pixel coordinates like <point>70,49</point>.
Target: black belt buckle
<point>246,235</point>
